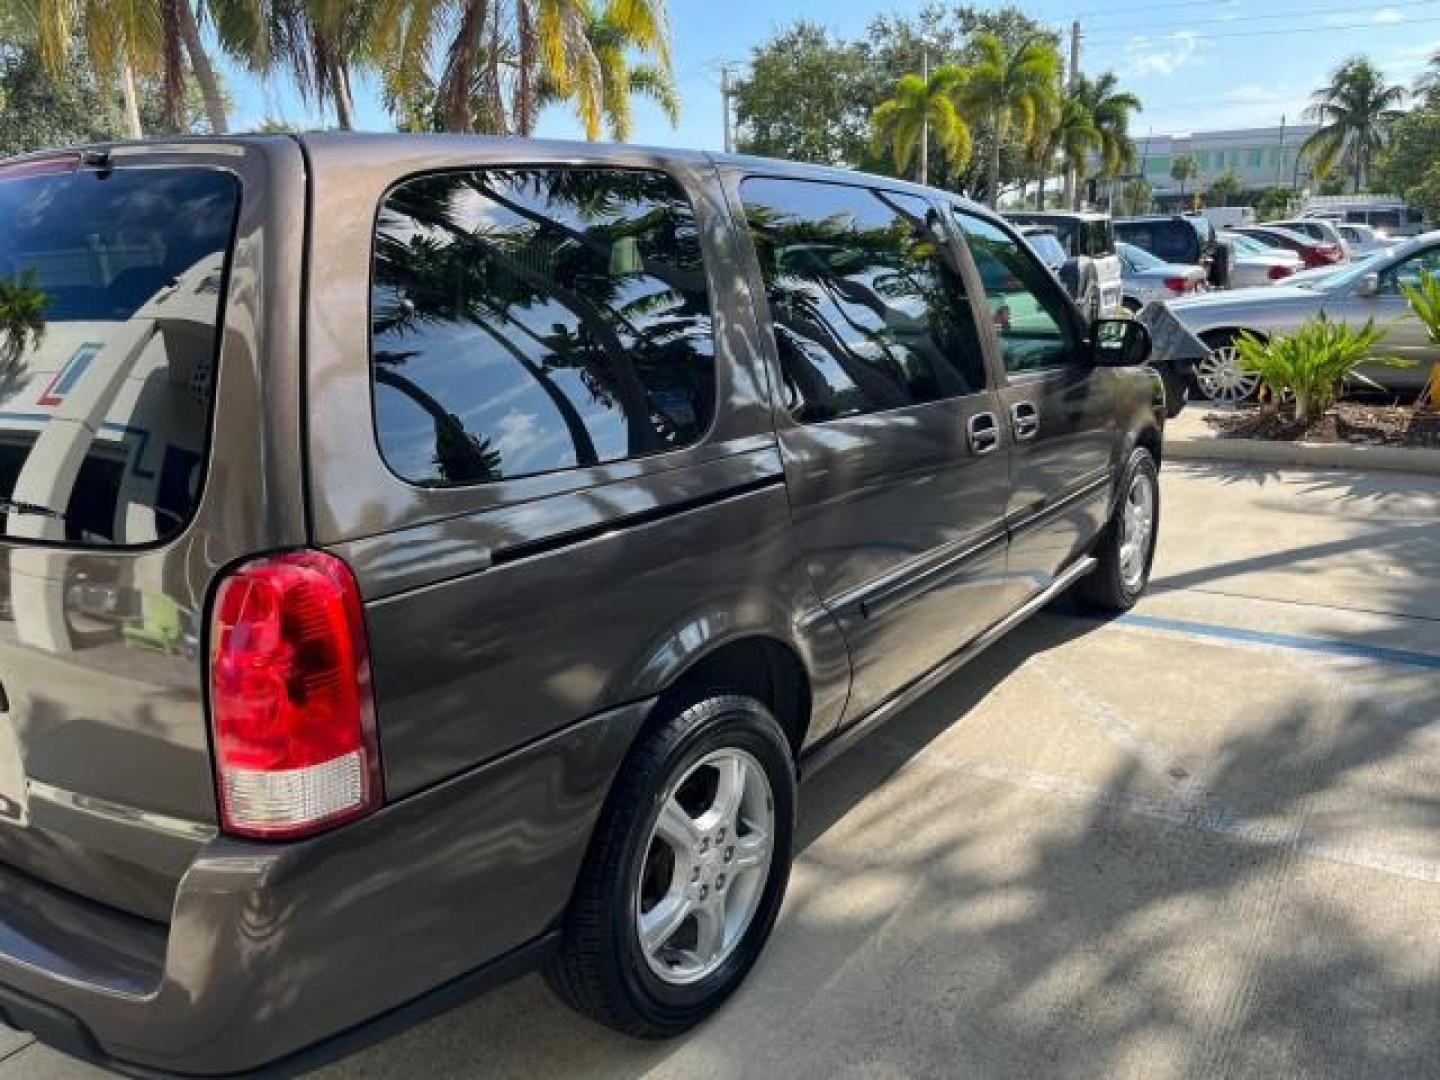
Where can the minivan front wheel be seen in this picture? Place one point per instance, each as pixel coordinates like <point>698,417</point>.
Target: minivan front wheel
<point>1126,549</point>
<point>686,871</point>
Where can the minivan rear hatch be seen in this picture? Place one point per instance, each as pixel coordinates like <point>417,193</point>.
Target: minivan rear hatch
<point>113,285</point>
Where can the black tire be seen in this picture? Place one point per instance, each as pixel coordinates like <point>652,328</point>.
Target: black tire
<point>599,969</point>
<point>1106,588</point>
<point>1177,391</point>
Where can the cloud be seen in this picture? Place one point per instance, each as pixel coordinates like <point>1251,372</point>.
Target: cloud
<point>1163,55</point>
<point>1409,60</point>
<point>1385,16</point>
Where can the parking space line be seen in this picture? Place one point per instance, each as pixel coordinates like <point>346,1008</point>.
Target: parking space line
<point>1302,642</point>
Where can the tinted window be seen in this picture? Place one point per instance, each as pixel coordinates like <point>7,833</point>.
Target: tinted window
<point>1032,317</point>
<point>1410,270</point>
<point>531,320</point>
<point>868,312</point>
<point>110,294</point>
<point>1172,241</point>
<point>1101,239</point>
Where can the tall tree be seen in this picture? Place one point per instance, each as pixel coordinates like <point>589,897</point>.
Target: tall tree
<point>918,105</point>
<point>1110,109</point>
<point>616,39</point>
<point>318,43</point>
<point>1008,88</point>
<point>1071,135</point>
<point>808,97</point>
<point>1183,170</point>
<point>1225,189</point>
<point>1355,110</point>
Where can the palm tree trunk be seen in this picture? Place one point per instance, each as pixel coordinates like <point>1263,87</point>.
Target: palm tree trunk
<point>1072,193</point>
<point>453,93</point>
<point>344,102</point>
<point>525,72</point>
<point>132,101</point>
<point>1040,187</point>
<point>204,71</point>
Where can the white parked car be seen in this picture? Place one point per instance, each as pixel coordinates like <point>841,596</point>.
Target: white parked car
<point>1254,263</point>
<point>1363,240</point>
<point>1145,277</point>
<point>1091,271</point>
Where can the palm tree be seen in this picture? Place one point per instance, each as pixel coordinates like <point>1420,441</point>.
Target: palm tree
<point>1428,81</point>
<point>1355,110</point>
<point>1009,89</point>
<point>319,43</point>
<point>615,37</point>
<point>1072,135</point>
<point>899,123</point>
<point>1109,110</point>
<point>126,37</point>
<point>1182,171</point>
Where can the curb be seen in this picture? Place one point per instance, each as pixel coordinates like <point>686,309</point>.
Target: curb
<point>1304,455</point>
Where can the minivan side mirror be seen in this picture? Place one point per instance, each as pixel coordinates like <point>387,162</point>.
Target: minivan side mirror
<point>1119,343</point>
<point>1368,285</point>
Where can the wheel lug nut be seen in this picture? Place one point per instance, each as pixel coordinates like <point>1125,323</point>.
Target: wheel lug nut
<point>729,854</point>
<point>704,891</point>
<point>720,836</point>
<point>704,845</point>
<point>694,873</point>
<point>719,882</point>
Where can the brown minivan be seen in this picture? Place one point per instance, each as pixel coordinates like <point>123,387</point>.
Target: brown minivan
<point>423,558</point>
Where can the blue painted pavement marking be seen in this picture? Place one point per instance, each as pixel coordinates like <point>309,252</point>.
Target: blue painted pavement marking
<point>1303,642</point>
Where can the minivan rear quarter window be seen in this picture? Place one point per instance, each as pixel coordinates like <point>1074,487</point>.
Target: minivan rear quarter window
<point>111,284</point>
<point>527,320</point>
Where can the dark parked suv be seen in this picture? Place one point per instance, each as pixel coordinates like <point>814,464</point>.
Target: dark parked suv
<point>426,557</point>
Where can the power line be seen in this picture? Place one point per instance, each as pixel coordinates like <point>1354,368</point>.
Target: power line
<point>1296,13</point>
<point>1336,28</point>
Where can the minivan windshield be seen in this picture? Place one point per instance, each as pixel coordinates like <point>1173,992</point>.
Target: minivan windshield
<point>110,291</point>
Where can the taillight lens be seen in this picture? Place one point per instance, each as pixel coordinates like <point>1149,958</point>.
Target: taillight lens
<point>1177,284</point>
<point>290,700</point>
<point>1279,270</point>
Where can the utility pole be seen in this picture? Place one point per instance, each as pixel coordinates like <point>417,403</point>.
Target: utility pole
<point>725,104</point>
<point>1072,186</point>
<point>925,117</point>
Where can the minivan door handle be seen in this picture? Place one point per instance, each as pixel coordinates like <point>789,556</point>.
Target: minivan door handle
<point>1027,420</point>
<point>983,432</point>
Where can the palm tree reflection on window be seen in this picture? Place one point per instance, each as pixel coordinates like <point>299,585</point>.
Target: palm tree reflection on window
<point>586,280</point>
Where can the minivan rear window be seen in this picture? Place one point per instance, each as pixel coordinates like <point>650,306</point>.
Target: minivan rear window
<point>111,286</point>
<point>529,320</point>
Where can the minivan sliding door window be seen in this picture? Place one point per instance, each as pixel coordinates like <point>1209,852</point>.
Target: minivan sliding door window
<point>528,320</point>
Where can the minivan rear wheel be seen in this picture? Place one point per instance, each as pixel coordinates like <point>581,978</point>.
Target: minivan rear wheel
<point>686,870</point>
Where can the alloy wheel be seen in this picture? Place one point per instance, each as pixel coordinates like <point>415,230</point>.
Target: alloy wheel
<point>1221,377</point>
<point>1137,526</point>
<point>705,866</point>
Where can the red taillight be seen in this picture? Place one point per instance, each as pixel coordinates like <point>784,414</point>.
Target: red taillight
<point>1177,284</point>
<point>290,702</point>
<point>1327,253</point>
<point>1278,271</point>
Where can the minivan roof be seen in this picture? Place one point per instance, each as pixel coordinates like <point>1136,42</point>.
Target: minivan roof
<point>1056,215</point>
<point>410,152</point>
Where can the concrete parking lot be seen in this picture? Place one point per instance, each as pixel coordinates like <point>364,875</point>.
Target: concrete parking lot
<point>1200,840</point>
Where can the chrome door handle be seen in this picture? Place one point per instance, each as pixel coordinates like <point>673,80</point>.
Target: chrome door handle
<point>1026,418</point>
<point>982,431</point>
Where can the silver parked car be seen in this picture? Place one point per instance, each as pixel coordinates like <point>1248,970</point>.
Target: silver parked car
<point>1254,262</point>
<point>1145,277</point>
<point>1362,239</point>
<point>1352,294</point>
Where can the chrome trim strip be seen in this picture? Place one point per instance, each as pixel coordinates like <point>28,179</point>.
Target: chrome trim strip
<point>826,752</point>
<point>1089,489</point>
<point>120,813</point>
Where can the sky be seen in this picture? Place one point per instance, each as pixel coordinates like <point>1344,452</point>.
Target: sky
<point>1198,65</point>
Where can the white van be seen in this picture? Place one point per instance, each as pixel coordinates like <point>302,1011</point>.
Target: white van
<point>1091,272</point>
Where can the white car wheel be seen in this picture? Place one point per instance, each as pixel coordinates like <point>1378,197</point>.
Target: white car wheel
<point>1222,379</point>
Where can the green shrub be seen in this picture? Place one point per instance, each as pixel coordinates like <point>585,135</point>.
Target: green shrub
<point>1424,300</point>
<point>1310,363</point>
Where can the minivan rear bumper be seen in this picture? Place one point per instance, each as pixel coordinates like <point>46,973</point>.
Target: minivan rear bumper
<point>274,948</point>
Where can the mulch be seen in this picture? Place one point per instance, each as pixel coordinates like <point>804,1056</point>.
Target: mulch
<point>1345,422</point>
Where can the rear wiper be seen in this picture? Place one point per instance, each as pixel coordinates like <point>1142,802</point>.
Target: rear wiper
<point>16,506</point>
